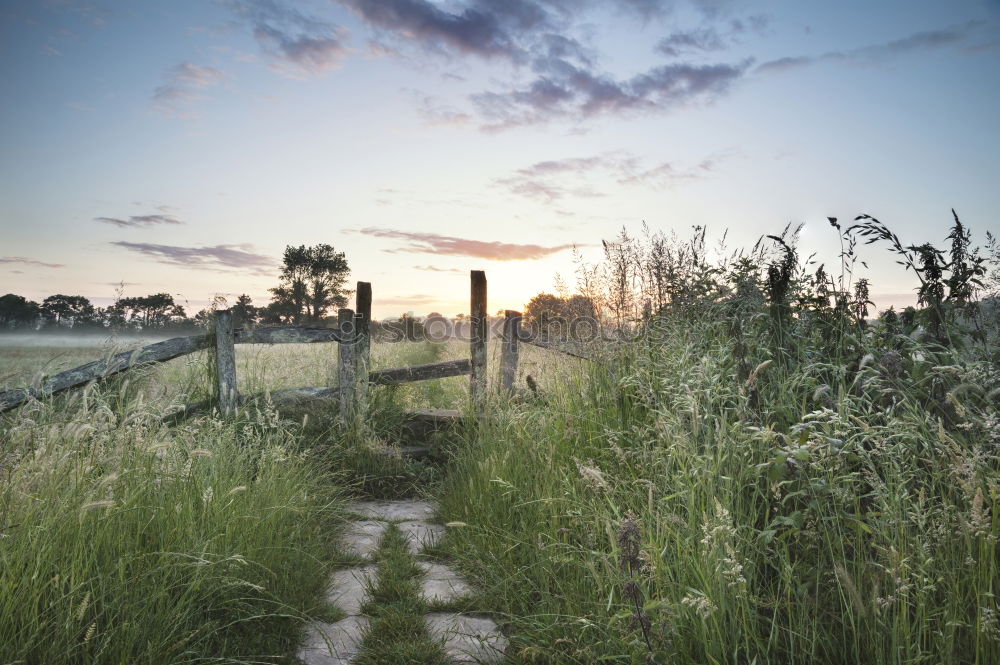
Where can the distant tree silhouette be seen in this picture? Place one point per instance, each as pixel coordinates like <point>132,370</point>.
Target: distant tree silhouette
<point>244,311</point>
<point>152,311</point>
<point>17,311</point>
<point>544,309</point>
<point>67,310</point>
<point>312,282</point>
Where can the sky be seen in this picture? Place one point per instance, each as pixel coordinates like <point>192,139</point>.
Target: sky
<point>180,146</point>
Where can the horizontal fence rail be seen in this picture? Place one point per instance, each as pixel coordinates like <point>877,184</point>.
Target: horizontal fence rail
<point>390,377</point>
<point>382,377</point>
<point>288,335</point>
<point>100,369</point>
<point>161,352</point>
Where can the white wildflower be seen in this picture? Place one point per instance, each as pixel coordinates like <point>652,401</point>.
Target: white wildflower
<point>700,603</point>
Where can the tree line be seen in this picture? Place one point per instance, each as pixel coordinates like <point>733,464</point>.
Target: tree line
<point>310,286</point>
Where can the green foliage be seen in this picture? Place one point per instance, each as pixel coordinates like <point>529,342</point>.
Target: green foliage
<point>824,494</point>
<point>17,311</point>
<point>312,281</point>
<point>122,540</point>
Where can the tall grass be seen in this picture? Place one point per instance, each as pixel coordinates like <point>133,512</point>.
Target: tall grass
<point>122,540</point>
<point>808,488</point>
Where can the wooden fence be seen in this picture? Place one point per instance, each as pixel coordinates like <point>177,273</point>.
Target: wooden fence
<point>352,333</point>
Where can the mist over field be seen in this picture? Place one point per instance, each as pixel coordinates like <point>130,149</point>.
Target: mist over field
<point>76,340</point>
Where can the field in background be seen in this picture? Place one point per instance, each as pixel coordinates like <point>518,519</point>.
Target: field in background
<point>24,360</point>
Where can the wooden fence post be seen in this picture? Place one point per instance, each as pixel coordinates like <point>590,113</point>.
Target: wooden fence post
<point>346,377</point>
<point>225,362</point>
<point>362,352</point>
<point>508,354</point>
<point>478,330</point>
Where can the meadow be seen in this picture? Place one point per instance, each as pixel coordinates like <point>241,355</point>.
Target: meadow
<point>754,472</point>
<point>126,539</point>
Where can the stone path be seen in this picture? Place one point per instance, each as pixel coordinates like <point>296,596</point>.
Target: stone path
<point>466,639</point>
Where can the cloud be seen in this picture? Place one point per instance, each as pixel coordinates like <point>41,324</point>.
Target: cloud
<point>667,174</point>
<point>545,191</point>
<point>548,181</point>
<point>302,45</point>
<point>712,37</point>
<point>136,221</point>
<point>920,41</point>
<point>29,262</point>
<point>691,41</point>
<point>545,181</point>
<point>219,257</point>
<point>431,243</point>
<point>436,269</point>
<point>183,81</point>
<point>487,28</point>
<point>565,90</point>
<point>539,34</point>
<point>571,164</point>
<point>437,114</point>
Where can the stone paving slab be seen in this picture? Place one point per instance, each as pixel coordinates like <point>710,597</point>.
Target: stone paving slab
<point>333,643</point>
<point>441,584</point>
<point>420,534</point>
<point>467,640</point>
<point>407,509</point>
<point>349,588</point>
<point>362,538</point>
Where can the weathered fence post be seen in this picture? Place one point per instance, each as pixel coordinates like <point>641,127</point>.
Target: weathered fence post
<point>508,354</point>
<point>478,330</point>
<point>362,352</point>
<point>225,362</point>
<point>346,373</point>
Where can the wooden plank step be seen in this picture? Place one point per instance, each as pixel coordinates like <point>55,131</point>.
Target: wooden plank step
<point>391,377</point>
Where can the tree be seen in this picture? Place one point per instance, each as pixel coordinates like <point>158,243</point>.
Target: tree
<point>244,311</point>
<point>312,282</point>
<point>67,310</point>
<point>17,311</point>
<point>155,310</point>
<point>543,310</point>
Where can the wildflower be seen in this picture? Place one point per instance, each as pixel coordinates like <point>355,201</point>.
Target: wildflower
<point>852,590</point>
<point>158,449</point>
<point>979,517</point>
<point>752,379</point>
<point>720,529</point>
<point>989,623</point>
<point>700,603</point>
<point>628,541</point>
<point>593,476</point>
<point>80,611</point>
